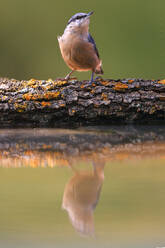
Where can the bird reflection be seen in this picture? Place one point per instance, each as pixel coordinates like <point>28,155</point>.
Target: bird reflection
<point>81,196</point>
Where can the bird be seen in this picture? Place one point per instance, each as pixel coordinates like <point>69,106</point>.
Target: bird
<point>78,48</point>
<point>81,195</point>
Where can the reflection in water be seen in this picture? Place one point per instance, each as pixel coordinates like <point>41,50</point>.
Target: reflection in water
<point>81,196</point>
<point>131,210</point>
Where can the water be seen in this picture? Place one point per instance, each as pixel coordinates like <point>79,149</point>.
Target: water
<point>90,187</point>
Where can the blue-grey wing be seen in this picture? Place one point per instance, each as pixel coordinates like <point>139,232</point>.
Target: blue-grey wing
<point>91,40</point>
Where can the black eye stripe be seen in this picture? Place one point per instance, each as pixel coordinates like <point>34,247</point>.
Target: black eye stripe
<point>77,18</point>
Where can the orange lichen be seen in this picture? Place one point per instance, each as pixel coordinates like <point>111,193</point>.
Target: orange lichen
<point>46,146</point>
<point>104,96</point>
<point>45,104</point>
<point>27,97</point>
<point>51,95</point>
<point>161,81</point>
<point>162,97</point>
<point>62,105</point>
<point>130,81</point>
<point>121,155</point>
<point>105,83</point>
<point>96,105</point>
<point>120,86</point>
<point>45,96</point>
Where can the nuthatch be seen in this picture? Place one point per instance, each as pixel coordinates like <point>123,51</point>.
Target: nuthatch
<point>77,46</point>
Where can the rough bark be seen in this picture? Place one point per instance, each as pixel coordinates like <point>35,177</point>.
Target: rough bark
<point>60,103</point>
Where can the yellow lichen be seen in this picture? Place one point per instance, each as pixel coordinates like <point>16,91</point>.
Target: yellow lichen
<point>31,81</point>
<point>56,83</point>
<point>4,98</point>
<point>20,107</point>
<point>60,83</point>
<point>152,110</point>
<point>34,83</point>
<point>50,80</point>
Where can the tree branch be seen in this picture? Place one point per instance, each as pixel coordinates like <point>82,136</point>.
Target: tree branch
<point>48,103</point>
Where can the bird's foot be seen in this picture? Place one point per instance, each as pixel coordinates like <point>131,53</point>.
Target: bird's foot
<point>66,79</point>
<point>70,78</point>
<point>98,78</point>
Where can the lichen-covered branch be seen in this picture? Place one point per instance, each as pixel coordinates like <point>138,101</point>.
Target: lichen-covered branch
<point>63,103</point>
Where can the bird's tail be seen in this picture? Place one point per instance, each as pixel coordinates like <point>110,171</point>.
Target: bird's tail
<point>99,69</point>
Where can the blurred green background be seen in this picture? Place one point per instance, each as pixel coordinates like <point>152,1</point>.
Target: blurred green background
<point>130,35</point>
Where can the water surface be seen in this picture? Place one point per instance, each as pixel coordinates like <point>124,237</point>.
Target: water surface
<point>93,187</point>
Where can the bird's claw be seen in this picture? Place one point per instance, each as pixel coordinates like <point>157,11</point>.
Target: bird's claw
<point>61,79</point>
<point>68,79</point>
<point>98,78</point>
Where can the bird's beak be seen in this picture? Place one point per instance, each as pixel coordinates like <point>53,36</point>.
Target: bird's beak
<point>89,14</point>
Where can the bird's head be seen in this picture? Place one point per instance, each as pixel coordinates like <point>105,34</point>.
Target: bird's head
<point>79,21</point>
